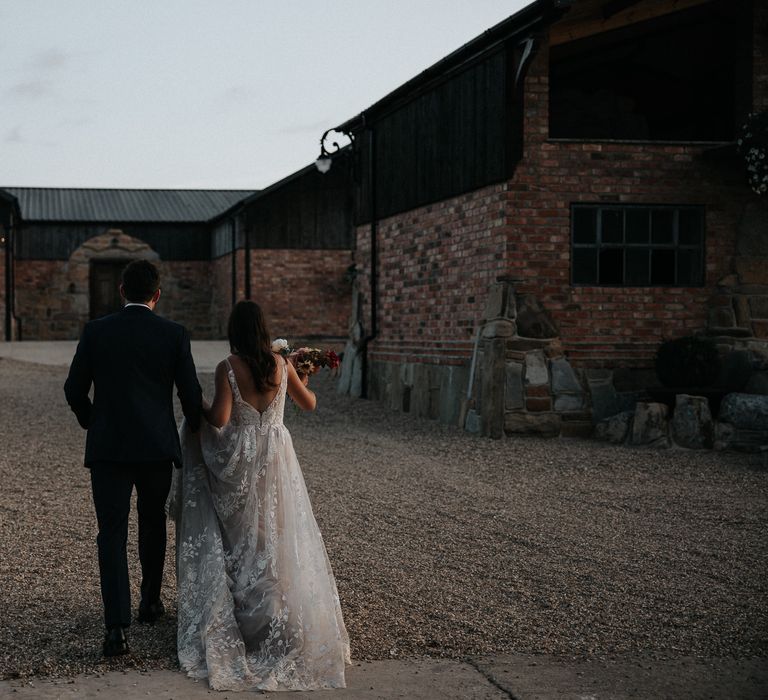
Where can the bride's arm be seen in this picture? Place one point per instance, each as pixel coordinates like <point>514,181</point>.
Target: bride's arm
<point>297,389</point>
<point>217,414</point>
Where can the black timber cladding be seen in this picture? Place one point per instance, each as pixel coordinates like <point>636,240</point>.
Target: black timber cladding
<point>455,127</point>
<point>309,210</point>
<point>57,241</point>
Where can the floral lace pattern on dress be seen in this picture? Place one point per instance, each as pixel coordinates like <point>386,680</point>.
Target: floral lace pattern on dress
<point>258,604</point>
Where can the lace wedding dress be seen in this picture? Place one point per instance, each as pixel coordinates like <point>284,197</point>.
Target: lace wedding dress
<point>257,601</point>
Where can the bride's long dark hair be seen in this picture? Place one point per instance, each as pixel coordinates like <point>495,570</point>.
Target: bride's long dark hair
<point>249,339</point>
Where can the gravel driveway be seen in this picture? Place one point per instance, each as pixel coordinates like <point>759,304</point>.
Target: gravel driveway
<point>442,544</point>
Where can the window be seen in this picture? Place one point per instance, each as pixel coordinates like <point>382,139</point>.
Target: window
<point>637,246</point>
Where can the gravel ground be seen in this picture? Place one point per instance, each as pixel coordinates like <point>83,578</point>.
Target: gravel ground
<point>442,544</point>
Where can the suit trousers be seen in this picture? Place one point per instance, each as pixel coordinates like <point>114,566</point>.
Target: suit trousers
<point>112,484</point>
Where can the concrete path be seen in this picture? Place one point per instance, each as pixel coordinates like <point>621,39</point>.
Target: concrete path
<point>207,353</point>
<point>517,677</point>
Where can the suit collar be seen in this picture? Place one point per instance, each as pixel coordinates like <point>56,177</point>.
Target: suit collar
<point>130,308</point>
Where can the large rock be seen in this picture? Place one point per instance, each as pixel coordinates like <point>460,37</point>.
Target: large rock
<point>745,412</point>
<point>615,428</point>
<point>513,388</point>
<point>692,424</point>
<point>650,425</point>
<point>564,379</point>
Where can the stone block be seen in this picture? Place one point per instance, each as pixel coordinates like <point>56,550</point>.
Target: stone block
<point>692,424</point>
<point>614,429</point>
<point>496,304</point>
<point>735,370</point>
<point>538,405</point>
<point>745,412</point>
<point>500,328</point>
<point>538,391</point>
<point>513,386</point>
<point>569,402</point>
<point>536,368</point>
<point>345,372</point>
<point>742,310</point>
<point>453,389</point>
<point>543,424</point>
<point>493,385</point>
<point>760,329</point>
<point>752,233</point>
<point>650,426</point>
<point>564,379</point>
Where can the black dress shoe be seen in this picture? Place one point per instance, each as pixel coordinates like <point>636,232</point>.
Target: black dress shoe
<point>150,612</point>
<point>115,642</point>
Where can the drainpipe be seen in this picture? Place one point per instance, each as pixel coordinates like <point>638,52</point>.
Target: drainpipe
<point>233,230</point>
<point>247,262</point>
<point>374,293</point>
<point>8,281</point>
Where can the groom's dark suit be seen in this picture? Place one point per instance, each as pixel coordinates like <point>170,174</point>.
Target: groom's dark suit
<point>133,358</point>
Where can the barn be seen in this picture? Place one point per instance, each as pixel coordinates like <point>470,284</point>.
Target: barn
<point>287,247</point>
<point>539,210</point>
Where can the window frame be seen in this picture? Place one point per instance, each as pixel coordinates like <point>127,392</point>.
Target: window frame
<point>598,245</point>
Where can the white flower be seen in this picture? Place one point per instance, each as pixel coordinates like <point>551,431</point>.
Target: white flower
<point>279,345</point>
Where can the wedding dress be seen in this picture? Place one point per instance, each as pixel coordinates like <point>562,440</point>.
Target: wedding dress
<point>257,601</point>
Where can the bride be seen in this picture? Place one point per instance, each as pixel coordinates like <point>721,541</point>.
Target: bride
<point>258,606</point>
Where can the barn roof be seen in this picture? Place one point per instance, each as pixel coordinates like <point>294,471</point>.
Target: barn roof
<point>112,205</point>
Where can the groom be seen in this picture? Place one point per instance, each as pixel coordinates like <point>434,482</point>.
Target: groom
<point>133,358</point>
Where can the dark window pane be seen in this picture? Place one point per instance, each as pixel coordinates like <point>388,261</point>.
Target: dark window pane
<point>638,271</point>
<point>638,225</point>
<point>662,266</point>
<point>611,266</point>
<point>662,226</point>
<point>584,266</point>
<point>690,227</point>
<point>613,226</point>
<point>689,269</point>
<point>584,225</point>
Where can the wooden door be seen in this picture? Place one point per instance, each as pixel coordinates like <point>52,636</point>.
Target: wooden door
<point>105,287</point>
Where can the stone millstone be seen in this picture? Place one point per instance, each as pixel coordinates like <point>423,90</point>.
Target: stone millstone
<point>692,424</point>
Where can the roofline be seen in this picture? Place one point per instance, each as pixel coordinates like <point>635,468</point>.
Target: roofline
<point>527,18</point>
<point>122,189</point>
<point>12,200</point>
<point>235,208</point>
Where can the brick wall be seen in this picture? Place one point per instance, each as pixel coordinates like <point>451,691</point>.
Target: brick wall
<point>303,292</point>
<point>436,263</point>
<point>601,325</point>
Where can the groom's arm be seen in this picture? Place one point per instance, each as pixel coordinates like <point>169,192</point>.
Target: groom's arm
<point>187,386</point>
<point>79,382</point>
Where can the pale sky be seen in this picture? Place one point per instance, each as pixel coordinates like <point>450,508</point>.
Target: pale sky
<point>220,94</point>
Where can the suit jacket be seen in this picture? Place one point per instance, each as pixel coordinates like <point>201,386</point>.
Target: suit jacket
<point>133,358</point>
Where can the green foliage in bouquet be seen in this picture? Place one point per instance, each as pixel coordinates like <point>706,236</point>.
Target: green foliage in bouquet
<point>692,361</point>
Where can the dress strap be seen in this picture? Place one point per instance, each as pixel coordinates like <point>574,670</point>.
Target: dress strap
<point>232,381</point>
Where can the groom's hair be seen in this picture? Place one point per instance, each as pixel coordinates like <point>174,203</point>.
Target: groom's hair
<point>141,280</point>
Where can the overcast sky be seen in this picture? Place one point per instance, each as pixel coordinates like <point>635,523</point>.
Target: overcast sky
<point>225,94</point>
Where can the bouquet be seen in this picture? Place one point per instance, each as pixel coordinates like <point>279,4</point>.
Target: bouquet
<point>306,360</point>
